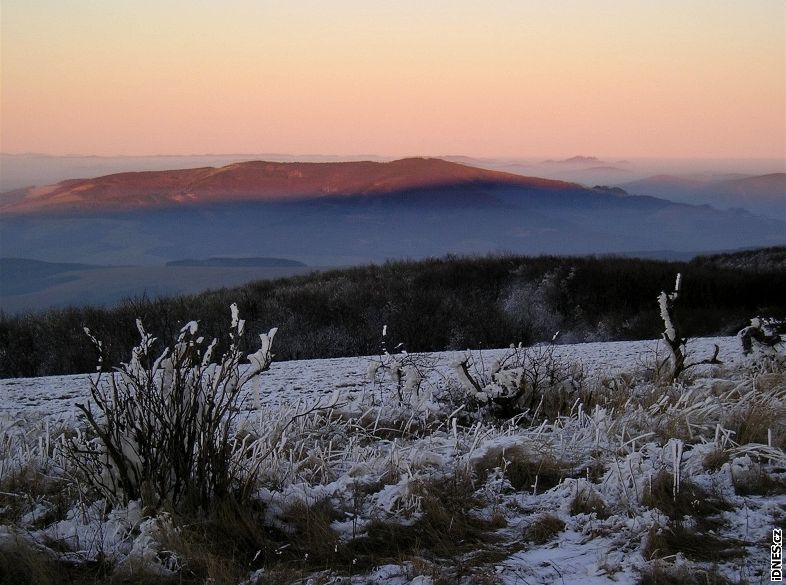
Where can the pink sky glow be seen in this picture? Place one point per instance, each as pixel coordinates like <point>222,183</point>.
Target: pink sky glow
<point>687,78</point>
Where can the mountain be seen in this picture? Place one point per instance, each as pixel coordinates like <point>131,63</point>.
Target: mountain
<point>585,170</point>
<point>256,181</point>
<point>764,194</point>
<point>327,214</point>
<point>19,171</point>
<point>769,188</point>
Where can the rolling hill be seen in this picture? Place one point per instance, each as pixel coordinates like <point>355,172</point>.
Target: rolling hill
<point>257,181</point>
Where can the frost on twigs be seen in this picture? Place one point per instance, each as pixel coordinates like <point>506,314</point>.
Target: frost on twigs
<point>763,336</point>
<point>672,334</point>
<point>532,382</point>
<point>162,426</point>
<point>403,370</point>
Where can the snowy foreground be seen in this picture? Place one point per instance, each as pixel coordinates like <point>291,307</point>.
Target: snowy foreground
<point>626,478</point>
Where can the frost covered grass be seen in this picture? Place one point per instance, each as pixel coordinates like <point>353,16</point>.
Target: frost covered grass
<point>409,469</point>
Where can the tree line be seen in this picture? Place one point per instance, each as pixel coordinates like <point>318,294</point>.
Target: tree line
<point>428,305</point>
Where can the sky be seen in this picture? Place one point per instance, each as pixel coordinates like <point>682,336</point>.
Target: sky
<point>500,78</point>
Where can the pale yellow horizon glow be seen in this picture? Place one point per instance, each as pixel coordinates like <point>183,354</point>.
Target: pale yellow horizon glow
<point>678,79</point>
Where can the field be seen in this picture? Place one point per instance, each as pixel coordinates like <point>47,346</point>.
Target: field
<point>399,469</point>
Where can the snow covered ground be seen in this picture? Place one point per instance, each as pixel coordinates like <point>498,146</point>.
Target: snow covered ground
<point>594,472</point>
<point>286,382</point>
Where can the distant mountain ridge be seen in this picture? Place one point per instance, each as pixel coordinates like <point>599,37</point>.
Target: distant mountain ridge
<point>770,187</point>
<point>344,213</point>
<point>764,194</point>
<point>258,181</point>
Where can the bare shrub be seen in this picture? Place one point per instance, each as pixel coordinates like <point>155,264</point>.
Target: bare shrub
<point>763,336</point>
<point>405,372</point>
<point>163,427</point>
<point>533,382</point>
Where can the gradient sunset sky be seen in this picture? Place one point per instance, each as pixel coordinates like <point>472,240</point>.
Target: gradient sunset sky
<point>516,78</point>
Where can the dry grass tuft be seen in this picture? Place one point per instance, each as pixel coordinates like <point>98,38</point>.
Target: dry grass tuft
<point>448,527</point>
<point>587,501</point>
<point>752,424</point>
<point>757,482</point>
<point>543,529</point>
<point>715,459</point>
<point>691,500</point>
<point>658,573</point>
<point>697,545</point>
<point>22,563</point>
<point>221,547</point>
<point>760,414</point>
<point>768,381</point>
<point>26,488</point>
<point>313,539</point>
<point>525,471</point>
